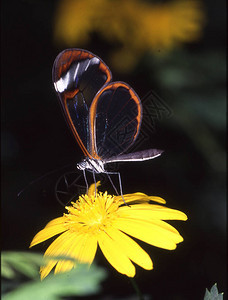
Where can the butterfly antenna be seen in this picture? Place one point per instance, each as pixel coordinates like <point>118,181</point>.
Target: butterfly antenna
<point>40,178</point>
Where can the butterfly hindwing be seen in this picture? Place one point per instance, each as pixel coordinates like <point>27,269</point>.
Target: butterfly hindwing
<point>115,119</point>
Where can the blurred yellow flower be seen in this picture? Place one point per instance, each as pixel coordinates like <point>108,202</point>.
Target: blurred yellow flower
<point>101,219</point>
<point>137,26</point>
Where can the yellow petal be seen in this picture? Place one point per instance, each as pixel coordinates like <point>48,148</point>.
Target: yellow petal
<point>81,247</point>
<point>61,244</point>
<point>64,266</point>
<point>130,248</point>
<point>133,197</point>
<point>156,233</point>
<point>157,199</point>
<point>54,227</point>
<point>150,212</point>
<point>44,271</point>
<point>91,189</point>
<point>140,197</point>
<point>84,248</point>
<point>56,221</point>
<point>115,256</point>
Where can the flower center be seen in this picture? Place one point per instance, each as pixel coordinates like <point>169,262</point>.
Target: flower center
<point>92,213</point>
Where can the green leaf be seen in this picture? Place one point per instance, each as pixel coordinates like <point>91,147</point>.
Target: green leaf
<point>7,271</point>
<point>80,281</point>
<point>24,263</point>
<point>213,294</point>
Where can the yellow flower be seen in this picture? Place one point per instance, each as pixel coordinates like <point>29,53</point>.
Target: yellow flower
<point>136,26</point>
<point>101,219</point>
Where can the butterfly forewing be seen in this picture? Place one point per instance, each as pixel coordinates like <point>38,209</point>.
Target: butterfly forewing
<point>115,118</point>
<point>78,75</point>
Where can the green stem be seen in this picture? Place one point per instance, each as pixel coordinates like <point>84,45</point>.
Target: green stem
<point>136,288</point>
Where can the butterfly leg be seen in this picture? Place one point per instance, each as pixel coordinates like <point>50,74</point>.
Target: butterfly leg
<point>86,182</point>
<point>120,183</point>
<point>112,184</point>
<point>94,179</point>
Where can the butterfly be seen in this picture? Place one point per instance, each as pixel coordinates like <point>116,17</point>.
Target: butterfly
<point>104,116</point>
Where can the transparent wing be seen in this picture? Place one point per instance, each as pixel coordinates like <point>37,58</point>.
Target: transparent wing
<point>77,76</point>
<point>115,119</point>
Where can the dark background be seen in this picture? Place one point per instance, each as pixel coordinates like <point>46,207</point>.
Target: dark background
<point>190,174</point>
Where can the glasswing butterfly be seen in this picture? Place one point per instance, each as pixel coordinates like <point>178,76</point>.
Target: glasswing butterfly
<point>104,116</point>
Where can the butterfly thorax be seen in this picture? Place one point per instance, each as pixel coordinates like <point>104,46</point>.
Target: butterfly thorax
<point>92,164</point>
